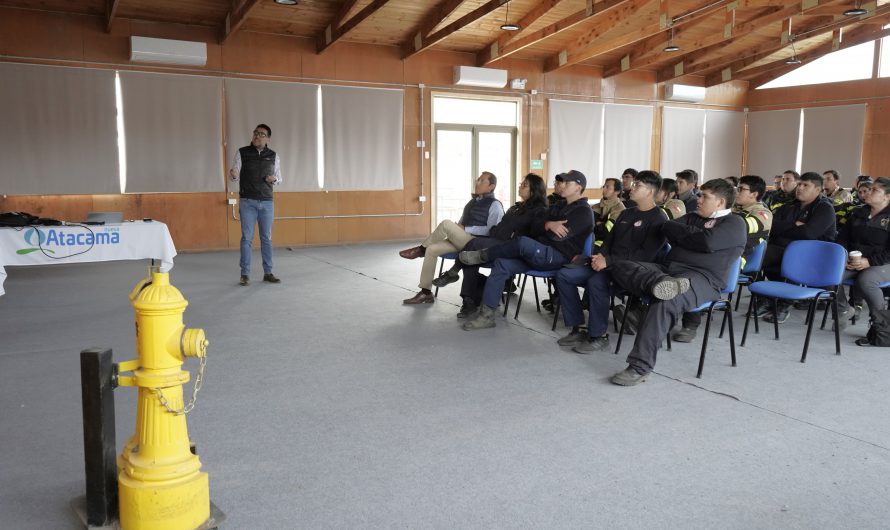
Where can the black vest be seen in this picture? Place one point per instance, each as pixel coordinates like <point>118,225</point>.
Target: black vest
<point>476,211</point>
<point>255,167</point>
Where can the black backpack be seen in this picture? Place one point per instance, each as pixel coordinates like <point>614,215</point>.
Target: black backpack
<point>879,331</point>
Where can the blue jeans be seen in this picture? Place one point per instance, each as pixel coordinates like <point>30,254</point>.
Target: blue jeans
<point>597,291</point>
<point>515,257</point>
<point>252,212</point>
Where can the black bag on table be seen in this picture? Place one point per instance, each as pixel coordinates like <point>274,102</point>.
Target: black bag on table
<point>17,219</point>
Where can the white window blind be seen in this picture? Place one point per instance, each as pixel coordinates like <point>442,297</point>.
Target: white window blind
<point>362,129</point>
<point>832,139</point>
<point>682,140</point>
<point>724,138</point>
<point>172,125</point>
<point>291,110</point>
<point>59,134</point>
<point>772,142</point>
<point>628,139</point>
<point>575,134</point>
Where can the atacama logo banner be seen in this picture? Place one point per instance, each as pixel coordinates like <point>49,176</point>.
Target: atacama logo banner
<point>67,241</point>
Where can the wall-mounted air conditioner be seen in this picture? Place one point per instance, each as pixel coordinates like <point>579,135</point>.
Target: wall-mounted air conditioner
<point>484,77</point>
<point>687,93</point>
<point>168,51</point>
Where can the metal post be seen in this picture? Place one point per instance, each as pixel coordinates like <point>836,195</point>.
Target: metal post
<point>97,374</point>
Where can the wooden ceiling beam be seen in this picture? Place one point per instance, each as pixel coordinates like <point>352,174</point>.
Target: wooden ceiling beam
<point>650,51</point>
<point>488,55</point>
<point>332,33</point>
<point>853,37</point>
<point>714,55</point>
<point>591,43</point>
<point>491,51</point>
<point>110,10</point>
<point>433,18</point>
<point>236,17</point>
<point>422,42</point>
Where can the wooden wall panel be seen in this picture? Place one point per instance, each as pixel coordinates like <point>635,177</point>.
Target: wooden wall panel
<point>83,38</point>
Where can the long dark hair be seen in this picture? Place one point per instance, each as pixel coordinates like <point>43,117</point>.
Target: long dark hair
<point>538,190</point>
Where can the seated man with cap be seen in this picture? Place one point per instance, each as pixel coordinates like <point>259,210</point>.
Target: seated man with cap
<point>552,242</point>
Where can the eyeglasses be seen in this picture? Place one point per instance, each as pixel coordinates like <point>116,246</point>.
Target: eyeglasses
<point>261,134</point>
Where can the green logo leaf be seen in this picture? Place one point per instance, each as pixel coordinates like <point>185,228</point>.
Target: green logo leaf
<point>30,250</point>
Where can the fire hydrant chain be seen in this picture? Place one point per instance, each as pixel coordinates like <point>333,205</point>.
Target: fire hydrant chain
<point>199,378</point>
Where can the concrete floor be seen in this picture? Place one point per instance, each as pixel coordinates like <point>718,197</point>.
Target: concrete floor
<point>329,404</point>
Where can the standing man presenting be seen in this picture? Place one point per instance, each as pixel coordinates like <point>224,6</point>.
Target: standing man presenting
<point>257,168</point>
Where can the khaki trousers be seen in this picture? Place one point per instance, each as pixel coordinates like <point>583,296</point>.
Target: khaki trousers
<point>447,237</point>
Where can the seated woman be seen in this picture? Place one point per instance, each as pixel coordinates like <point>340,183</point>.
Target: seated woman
<point>515,223</point>
<point>867,231</point>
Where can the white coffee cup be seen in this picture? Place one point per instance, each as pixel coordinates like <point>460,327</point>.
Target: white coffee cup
<point>855,256</point>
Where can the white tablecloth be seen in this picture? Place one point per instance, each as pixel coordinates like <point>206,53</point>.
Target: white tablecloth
<point>51,245</point>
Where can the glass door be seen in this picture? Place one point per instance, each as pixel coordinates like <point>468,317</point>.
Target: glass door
<point>462,153</point>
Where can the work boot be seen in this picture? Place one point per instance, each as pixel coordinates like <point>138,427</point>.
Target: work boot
<point>684,335</point>
<point>484,319</point>
<point>446,277</point>
<point>413,253</point>
<point>669,288</point>
<point>782,314</point>
<point>575,337</point>
<point>270,278</point>
<point>763,308</point>
<point>244,280</point>
<point>592,344</point>
<point>474,257</point>
<point>628,377</point>
<point>468,308</point>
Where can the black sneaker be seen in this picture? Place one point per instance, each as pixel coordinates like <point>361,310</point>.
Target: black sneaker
<point>244,280</point>
<point>592,344</point>
<point>575,337</point>
<point>684,335</point>
<point>270,278</point>
<point>446,277</point>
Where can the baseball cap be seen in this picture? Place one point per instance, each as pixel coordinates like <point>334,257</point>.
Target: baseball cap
<point>573,176</point>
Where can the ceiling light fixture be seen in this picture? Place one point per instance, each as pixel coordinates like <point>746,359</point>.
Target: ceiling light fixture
<point>671,47</point>
<point>287,2</point>
<point>857,11</point>
<point>507,26</point>
<point>793,59</point>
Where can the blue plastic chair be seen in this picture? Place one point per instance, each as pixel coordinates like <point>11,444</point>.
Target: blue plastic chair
<point>814,270</point>
<point>588,250</point>
<point>724,303</point>
<point>752,270</point>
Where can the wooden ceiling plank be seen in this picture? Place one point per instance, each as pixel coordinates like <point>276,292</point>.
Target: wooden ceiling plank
<point>236,17</point>
<point>651,50</point>
<point>431,21</point>
<point>341,15</point>
<point>590,44</point>
<point>711,48</point>
<point>814,28</point>
<point>486,57</point>
<point>332,34</point>
<point>492,49</point>
<point>110,10</point>
<point>853,37</point>
<point>429,40</point>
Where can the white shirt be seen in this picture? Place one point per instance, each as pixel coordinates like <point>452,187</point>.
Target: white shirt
<point>236,167</point>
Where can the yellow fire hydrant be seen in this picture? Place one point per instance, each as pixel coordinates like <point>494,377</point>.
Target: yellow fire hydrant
<point>161,485</point>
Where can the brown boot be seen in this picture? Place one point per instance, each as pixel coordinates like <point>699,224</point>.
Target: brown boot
<point>413,252</point>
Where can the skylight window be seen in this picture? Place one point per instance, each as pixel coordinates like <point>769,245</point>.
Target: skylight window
<point>843,65</point>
